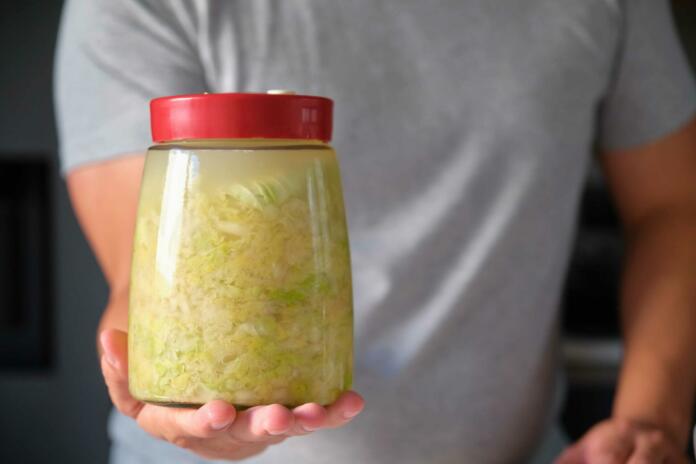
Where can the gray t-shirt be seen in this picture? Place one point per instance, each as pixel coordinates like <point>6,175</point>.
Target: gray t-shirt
<point>464,130</point>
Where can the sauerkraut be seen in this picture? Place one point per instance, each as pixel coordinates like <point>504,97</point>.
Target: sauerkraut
<point>240,291</point>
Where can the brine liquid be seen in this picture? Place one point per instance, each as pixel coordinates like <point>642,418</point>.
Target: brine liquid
<point>241,287</point>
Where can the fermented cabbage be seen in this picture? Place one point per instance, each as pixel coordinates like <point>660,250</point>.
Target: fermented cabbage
<point>249,298</point>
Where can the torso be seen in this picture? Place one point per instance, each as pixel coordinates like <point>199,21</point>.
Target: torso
<point>464,129</point>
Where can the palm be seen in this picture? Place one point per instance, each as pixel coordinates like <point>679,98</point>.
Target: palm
<point>216,430</point>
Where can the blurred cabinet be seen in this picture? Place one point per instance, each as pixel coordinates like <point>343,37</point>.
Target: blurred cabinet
<point>25,263</point>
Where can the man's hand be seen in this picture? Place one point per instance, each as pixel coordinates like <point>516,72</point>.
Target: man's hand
<point>105,197</point>
<point>216,430</point>
<point>619,441</point>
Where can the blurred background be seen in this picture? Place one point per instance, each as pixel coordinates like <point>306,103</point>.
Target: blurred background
<point>53,403</point>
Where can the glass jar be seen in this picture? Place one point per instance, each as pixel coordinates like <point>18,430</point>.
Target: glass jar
<point>240,285</point>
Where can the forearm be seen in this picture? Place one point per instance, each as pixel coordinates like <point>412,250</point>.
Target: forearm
<point>105,198</point>
<point>658,377</point>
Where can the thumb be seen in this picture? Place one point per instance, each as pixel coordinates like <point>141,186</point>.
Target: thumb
<point>114,345</point>
<point>114,363</point>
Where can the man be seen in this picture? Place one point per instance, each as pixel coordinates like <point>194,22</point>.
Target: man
<point>465,130</point>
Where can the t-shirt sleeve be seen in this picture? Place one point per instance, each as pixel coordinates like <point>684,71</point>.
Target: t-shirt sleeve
<point>652,92</point>
<point>112,58</point>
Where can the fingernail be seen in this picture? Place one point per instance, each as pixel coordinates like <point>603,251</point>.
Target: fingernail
<point>309,428</point>
<point>351,414</point>
<point>273,432</point>
<point>218,424</point>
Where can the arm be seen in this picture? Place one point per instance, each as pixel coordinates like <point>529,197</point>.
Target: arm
<point>104,196</point>
<point>655,191</point>
<point>654,187</point>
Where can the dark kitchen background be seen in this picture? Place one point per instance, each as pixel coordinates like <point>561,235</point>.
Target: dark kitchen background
<point>52,401</point>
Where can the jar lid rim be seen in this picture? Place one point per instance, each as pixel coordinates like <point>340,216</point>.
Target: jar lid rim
<point>241,115</point>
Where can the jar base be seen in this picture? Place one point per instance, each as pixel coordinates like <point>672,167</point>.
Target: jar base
<point>174,404</point>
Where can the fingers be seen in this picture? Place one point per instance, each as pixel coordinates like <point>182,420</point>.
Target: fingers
<point>262,423</point>
<point>308,418</point>
<point>167,423</point>
<point>114,365</point>
<point>180,426</point>
<point>216,429</point>
<point>650,448</point>
<point>571,455</point>
<point>346,407</point>
<point>216,426</point>
<point>115,346</point>
<point>608,444</point>
<point>594,453</point>
<point>622,442</point>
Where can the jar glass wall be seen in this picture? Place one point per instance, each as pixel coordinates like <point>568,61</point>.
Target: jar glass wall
<point>241,286</point>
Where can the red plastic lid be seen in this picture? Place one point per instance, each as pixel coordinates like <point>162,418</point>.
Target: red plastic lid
<point>241,115</point>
